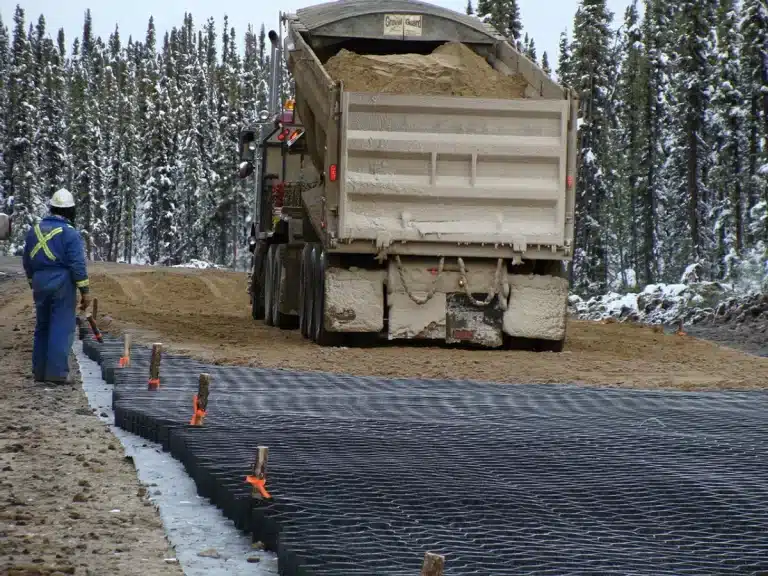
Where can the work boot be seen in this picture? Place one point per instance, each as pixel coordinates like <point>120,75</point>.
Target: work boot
<point>59,380</point>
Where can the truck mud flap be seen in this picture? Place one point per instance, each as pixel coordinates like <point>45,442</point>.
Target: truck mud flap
<point>470,324</point>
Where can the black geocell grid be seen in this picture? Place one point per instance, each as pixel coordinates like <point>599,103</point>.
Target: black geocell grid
<point>367,474</point>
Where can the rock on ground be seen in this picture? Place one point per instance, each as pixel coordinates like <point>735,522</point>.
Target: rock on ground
<point>70,503</point>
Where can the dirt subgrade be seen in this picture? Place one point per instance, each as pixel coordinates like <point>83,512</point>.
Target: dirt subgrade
<point>70,502</point>
<point>452,69</point>
<point>206,314</point>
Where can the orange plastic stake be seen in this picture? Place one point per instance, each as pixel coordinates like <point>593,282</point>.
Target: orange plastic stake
<point>125,360</point>
<point>154,366</point>
<point>258,477</point>
<point>198,415</point>
<point>259,485</point>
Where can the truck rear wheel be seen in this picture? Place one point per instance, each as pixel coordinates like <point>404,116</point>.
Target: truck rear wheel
<point>269,267</point>
<point>257,284</point>
<point>304,291</point>
<point>278,318</point>
<point>309,293</point>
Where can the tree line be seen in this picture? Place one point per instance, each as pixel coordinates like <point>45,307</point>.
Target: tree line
<point>672,139</point>
<point>672,135</point>
<point>144,133</point>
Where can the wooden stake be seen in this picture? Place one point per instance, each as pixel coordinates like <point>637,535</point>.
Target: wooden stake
<point>433,565</point>
<point>154,366</point>
<point>125,361</point>
<point>260,470</point>
<point>95,308</point>
<point>202,391</point>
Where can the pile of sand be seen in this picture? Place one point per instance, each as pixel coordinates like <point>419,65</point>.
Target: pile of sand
<point>452,69</point>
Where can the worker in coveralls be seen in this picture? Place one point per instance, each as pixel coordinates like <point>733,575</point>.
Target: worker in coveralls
<point>54,260</point>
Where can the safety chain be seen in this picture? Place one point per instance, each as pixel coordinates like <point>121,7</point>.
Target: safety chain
<point>431,291</point>
<point>494,288</point>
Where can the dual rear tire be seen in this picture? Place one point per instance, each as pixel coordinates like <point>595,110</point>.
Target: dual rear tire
<point>272,290</point>
<point>312,296</point>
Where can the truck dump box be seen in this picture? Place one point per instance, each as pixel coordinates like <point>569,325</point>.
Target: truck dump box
<point>431,169</point>
<point>418,168</point>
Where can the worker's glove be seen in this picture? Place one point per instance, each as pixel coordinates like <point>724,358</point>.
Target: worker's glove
<point>85,301</point>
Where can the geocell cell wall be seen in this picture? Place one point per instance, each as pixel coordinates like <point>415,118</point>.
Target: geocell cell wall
<point>367,474</point>
<point>454,169</point>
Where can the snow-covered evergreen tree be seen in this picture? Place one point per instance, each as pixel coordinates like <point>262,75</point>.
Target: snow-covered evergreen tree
<point>5,68</point>
<point>754,29</point>
<point>22,126</point>
<point>564,58</point>
<point>504,16</point>
<point>628,139</point>
<point>728,119</point>
<point>592,69</point>
<point>545,64</point>
<point>689,204</point>
<point>658,39</point>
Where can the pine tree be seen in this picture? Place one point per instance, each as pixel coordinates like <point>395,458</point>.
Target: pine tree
<point>470,9</point>
<point>564,74</point>
<point>129,166</point>
<point>754,28</point>
<point>690,201</point>
<point>5,67</point>
<point>658,28</point>
<point>504,16</point>
<point>592,62</point>
<point>52,144</point>
<point>729,117</point>
<point>628,141</point>
<point>529,48</point>
<point>545,64</point>
<point>22,124</point>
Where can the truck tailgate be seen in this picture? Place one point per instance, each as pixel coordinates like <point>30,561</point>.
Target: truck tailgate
<point>449,169</point>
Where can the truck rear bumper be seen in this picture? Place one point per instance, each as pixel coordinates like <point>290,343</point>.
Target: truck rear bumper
<point>427,303</point>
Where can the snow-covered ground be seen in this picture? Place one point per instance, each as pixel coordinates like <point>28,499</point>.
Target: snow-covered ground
<point>691,300</point>
<point>199,264</point>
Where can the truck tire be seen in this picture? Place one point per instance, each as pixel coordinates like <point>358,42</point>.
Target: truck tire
<point>278,318</point>
<point>303,291</point>
<point>257,285</point>
<point>269,267</point>
<point>320,335</point>
<point>310,291</point>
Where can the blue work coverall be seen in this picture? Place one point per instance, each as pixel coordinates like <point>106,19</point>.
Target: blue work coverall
<point>54,260</point>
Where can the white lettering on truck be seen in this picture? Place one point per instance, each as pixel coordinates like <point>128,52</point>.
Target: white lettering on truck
<point>402,24</point>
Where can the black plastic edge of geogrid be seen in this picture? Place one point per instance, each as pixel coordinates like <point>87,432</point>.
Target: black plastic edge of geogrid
<point>248,515</point>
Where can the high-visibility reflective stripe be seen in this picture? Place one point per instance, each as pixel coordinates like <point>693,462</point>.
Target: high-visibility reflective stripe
<point>42,242</point>
<point>82,283</point>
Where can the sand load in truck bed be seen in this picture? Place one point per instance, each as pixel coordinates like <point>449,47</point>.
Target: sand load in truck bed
<point>453,69</point>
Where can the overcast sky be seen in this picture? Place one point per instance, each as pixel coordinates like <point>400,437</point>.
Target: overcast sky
<point>543,19</point>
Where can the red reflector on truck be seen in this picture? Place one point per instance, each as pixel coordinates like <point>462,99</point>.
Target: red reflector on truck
<point>463,334</point>
<point>332,172</point>
<point>569,181</point>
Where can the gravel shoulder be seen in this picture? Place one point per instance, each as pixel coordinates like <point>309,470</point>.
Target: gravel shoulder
<point>70,502</point>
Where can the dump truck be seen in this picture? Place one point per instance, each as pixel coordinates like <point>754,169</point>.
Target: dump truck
<point>409,216</point>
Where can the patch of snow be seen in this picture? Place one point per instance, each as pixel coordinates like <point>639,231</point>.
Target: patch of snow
<point>199,264</point>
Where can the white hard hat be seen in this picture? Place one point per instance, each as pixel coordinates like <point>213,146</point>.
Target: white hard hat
<point>63,199</point>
